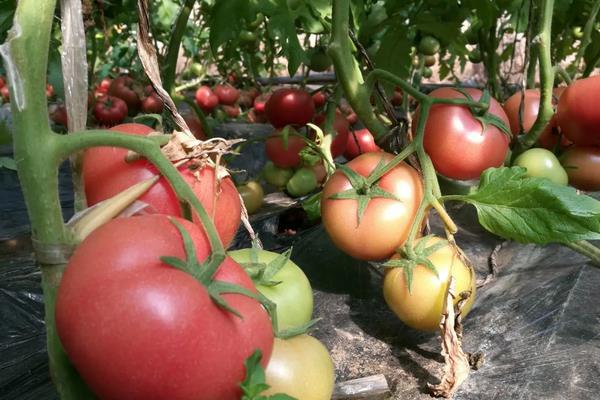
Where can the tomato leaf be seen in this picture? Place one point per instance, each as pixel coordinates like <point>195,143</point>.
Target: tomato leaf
<point>533,210</point>
<point>8,163</point>
<point>312,206</point>
<point>254,383</point>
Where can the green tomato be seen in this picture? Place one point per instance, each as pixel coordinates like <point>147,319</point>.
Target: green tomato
<point>472,36</point>
<point>427,72</point>
<point>252,194</point>
<point>302,182</point>
<point>247,37</point>
<point>197,69</point>
<point>256,23</point>
<point>429,46</point>
<point>429,60</point>
<point>577,32</point>
<point>542,163</point>
<point>319,60</point>
<point>276,176</point>
<point>292,295</point>
<point>475,56</point>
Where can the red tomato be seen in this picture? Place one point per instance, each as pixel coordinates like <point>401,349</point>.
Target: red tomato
<point>582,164</point>
<point>284,156</point>
<point>352,118</point>
<point>58,115</point>
<point>232,111</point>
<point>360,142</point>
<point>137,328</point>
<point>245,100</point>
<point>104,85</point>
<point>319,98</point>
<point>106,173</point>
<point>2,82</point>
<point>127,89</point>
<point>260,103</point>
<point>227,94</point>
<point>110,110</point>
<point>5,93</point>
<point>206,99</point>
<point>550,136</point>
<point>256,117</point>
<point>290,106</point>
<point>385,223</point>
<point>578,115</point>
<point>195,125</point>
<point>253,92</point>
<point>49,90</point>
<point>456,141</point>
<point>341,127</point>
<point>152,104</point>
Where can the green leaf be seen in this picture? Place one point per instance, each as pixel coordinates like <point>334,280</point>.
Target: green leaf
<point>394,53</point>
<point>224,21</point>
<point>533,210</point>
<point>283,28</point>
<point>8,163</point>
<point>312,206</point>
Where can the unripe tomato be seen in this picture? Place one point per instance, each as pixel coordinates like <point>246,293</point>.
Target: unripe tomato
<point>253,194</point>
<point>285,155</point>
<point>276,176</point>
<point>319,60</point>
<point>302,182</point>
<point>542,163</point>
<point>427,73</point>
<point>290,106</point>
<point>300,367</point>
<point>475,56</point>
<point>421,307</point>
<point>429,46</point>
<point>429,60</point>
<point>582,164</point>
<point>247,37</point>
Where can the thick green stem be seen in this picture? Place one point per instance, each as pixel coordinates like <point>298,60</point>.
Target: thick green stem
<point>174,44</point>
<point>531,67</point>
<point>587,249</point>
<point>348,72</point>
<point>587,35</point>
<point>543,46</point>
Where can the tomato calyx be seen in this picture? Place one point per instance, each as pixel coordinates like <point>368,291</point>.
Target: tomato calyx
<point>362,190</point>
<point>481,112</point>
<point>419,255</point>
<point>262,273</point>
<point>204,273</point>
<point>255,381</point>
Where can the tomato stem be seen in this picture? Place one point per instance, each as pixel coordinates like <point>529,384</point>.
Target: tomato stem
<point>174,44</point>
<point>586,248</point>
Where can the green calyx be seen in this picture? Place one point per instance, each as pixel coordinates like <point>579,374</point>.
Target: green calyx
<point>482,114</point>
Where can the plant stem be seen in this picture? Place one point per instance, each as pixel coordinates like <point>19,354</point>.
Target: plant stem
<point>587,35</point>
<point>586,248</point>
<point>543,46</point>
<point>174,44</point>
<point>348,72</point>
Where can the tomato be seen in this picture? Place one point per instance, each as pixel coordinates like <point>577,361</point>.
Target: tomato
<point>342,129</point>
<point>5,93</point>
<point>385,223</point>
<point>195,125</point>
<point>542,163</point>
<point>231,111</point>
<point>352,118</point>
<point>2,82</point>
<point>582,164</point>
<point>551,135</point>
<point>206,99</point>
<point>106,173</point>
<point>245,100</point>
<point>429,60</point>
<point>252,194</point>
<point>475,56</point>
<point>49,90</point>
<point>578,115</point>
<point>255,117</point>
<point>456,141</point>
<point>320,98</point>
<point>360,142</point>
<point>319,61</point>
<point>227,94</point>
<point>427,73</point>
<point>300,367</point>
<point>292,295</point>
<point>260,103</point>
<point>276,176</point>
<point>137,328</point>
<point>290,106</point>
<point>58,115</point>
<point>397,98</point>
<point>104,86</point>
<point>282,155</point>
<point>302,182</point>
<point>320,171</point>
<point>577,32</point>
<point>422,307</point>
<point>110,110</point>
<point>247,37</point>
<point>152,104</point>
<point>126,88</point>
<point>429,46</point>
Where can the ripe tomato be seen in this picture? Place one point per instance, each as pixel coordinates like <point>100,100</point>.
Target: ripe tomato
<point>319,98</point>
<point>49,90</point>
<point>290,106</point>
<point>578,115</point>
<point>352,118</point>
<point>302,182</point>
<point>422,307</point>
<point>255,117</point>
<point>260,103</point>
<point>245,100</point>
<point>110,110</point>
<point>292,295</point>
<point>206,99</point>
<point>582,164</point>
<point>127,89</point>
<point>137,328</point>
<point>5,93</point>
<point>252,194</point>
<point>231,111</point>
<point>530,110</point>
<point>360,142</point>
<point>106,173</point>
<point>276,176</point>
<point>103,86</point>
<point>542,163</point>
<point>284,156</point>
<point>2,82</point>
<point>429,46</point>
<point>456,142</point>
<point>385,223</point>
<point>58,114</point>
<point>194,124</point>
<point>152,104</point>
<point>342,129</point>
<point>300,367</point>
<point>227,94</point>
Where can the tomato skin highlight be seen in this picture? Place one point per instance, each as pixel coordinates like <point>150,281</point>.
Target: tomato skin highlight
<point>290,106</point>
<point>582,164</point>
<point>385,223</point>
<point>300,367</point>
<point>106,173</point>
<point>454,139</point>
<point>136,328</point>
<point>422,307</point>
<point>578,115</point>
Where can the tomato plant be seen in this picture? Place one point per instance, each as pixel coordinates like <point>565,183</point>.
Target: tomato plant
<point>137,328</point>
<point>582,164</point>
<point>106,173</point>
<point>455,140</point>
<point>421,307</point>
<point>542,163</point>
<point>577,112</point>
<point>385,223</point>
<point>290,106</point>
<point>301,367</point>
<point>110,110</point>
<point>282,282</point>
